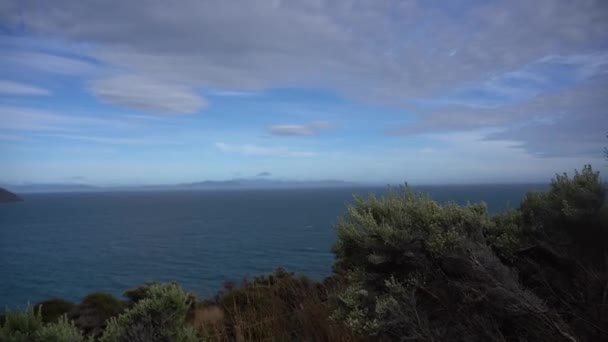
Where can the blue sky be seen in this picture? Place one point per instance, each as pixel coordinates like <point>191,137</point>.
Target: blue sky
<point>119,92</point>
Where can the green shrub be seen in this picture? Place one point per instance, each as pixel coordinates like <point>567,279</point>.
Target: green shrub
<point>570,214</point>
<point>161,316</point>
<point>28,327</point>
<point>53,309</point>
<point>20,326</point>
<point>140,292</point>
<point>417,270</point>
<point>60,331</point>
<point>104,304</point>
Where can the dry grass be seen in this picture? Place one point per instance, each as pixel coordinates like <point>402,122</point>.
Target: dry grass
<point>280,307</point>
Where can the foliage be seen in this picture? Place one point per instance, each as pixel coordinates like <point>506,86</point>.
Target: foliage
<point>569,215</point>
<point>138,293</point>
<point>417,270</point>
<point>61,331</point>
<point>53,309</point>
<point>104,304</point>
<point>19,326</point>
<point>280,306</point>
<point>28,326</point>
<point>161,316</point>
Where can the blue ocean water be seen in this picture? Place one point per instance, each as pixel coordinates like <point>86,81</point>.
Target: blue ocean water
<point>70,244</point>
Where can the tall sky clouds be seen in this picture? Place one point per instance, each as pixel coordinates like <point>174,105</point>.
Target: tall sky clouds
<point>242,85</point>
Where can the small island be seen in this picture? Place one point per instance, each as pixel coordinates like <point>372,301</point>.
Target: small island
<point>7,196</point>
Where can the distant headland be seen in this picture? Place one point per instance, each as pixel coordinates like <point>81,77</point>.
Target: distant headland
<point>7,196</point>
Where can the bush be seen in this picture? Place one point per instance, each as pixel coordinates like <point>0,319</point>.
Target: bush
<point>280,306</point>
<point>138,293</point>
<point>161,316</point>
<point>20,326</point>
<point>422,271</point>
<point>570,215</point>
<point>28,326</point>
<point>61,331</point>
<point>53,309</point>
<point>93,312</point>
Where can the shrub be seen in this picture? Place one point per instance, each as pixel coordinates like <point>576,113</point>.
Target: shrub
<point>422,271</point>
<point>161,316</point>
<point>61,331</point>
<point>280,306</point>
<point>94,311</point>
<point>104,304</point>
<point>570,215</point>
<point>138,293</point>
<point>28,327</point>
<point>20,326</point>
<point>52,309</point>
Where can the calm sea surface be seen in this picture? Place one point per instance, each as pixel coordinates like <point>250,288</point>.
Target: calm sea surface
<point>69,244</point>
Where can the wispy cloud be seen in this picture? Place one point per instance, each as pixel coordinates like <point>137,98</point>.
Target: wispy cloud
<point>148,94</point>
<point>20,89</point>
<point>233,93</point>
<point>566,122</point>
<point>29,119</point>
<point>307,129</point>
<point>113,140</point>
<point>51,63</point>
<point>12,138</point>
<point>254,150</point>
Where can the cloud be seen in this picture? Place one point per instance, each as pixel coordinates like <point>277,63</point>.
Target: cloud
<point>232,93</point>
<point>502,66</point>
<point>148,94</point>
<point>420,49</point>
<point>308,129</point>
<point>29,119</point>
<point>51,63</point>
<point>254,150</point>
<point>12,138</point>
<point>566,122</point>
<point>264,174</point>
<point>112,140</point>
<point>19,89</point>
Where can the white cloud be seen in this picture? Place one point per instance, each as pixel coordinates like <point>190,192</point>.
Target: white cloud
<point>254,150</point>
<point>307,129</point>
<point>29,119</point>
<point>148,94</point>
<point>15,88</point>
<point>113,140</point>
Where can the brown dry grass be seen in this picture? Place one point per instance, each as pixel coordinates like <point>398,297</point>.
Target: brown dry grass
<point>280,307</point>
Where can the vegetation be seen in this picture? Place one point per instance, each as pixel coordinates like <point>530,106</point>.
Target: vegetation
<point>406,268</point>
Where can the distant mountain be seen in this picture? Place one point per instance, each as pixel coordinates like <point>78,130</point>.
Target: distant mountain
<point>244,183</point>
<point>7,196</point>
<point>52,187</point>
<point>230,184</point>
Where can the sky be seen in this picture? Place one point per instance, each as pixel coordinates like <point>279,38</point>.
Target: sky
<point>115,92</point>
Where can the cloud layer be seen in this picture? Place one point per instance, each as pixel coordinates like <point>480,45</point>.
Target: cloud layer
<point>264,151</point>
<point>527,79</point>
<point>307,129</point>
<point>148,95</point>
<point>10,88</point>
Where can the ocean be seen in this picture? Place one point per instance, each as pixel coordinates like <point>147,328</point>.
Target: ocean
<point>66,245</point>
